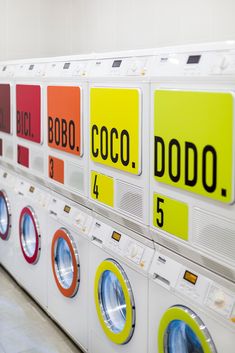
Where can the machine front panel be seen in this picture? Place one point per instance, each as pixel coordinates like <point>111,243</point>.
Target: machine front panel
<point>115,128</point>
<point>28,112</point>
<point>193,142</point>
<point>64,118</point>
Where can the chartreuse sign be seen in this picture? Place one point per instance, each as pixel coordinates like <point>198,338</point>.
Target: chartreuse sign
<point>115,128</point>
<point>102,188</point>
<point>193,142</point>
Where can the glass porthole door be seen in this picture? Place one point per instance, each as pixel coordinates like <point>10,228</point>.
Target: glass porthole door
<point>30,237</point>
<point>5,216</point>
<point>181,330</point>
<point>114,302</point>
<point>65,263</point>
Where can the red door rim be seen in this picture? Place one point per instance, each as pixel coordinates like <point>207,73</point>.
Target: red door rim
<point>30,212</point>
<point>5,236</point>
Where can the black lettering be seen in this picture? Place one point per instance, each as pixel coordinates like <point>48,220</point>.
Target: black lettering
<point>57,131</point>
<point>159,172</point>
<point>94,130</point>
<point>104,142</point>
<point>173,143</point>
<point>64,133</point>
<point>113,134</point>
<point>125,152</point>
<point>50,129</point>
<point>209,149</point>
<point>18,122</point>
<point>189,146</point>
<point>71,135</point>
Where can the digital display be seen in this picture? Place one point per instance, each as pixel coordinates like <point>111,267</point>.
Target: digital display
<point>194,59</point>
<point>117,63</point>
<point>31,67</point>
<point>4,68</point>
<point>31,189</point>
<point>66,66</point>
<point>67,208</point>
<point>116,236</point>
<point>190,277</point>
<point>4,175</point>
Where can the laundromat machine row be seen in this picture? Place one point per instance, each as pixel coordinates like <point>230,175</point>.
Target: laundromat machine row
<point>117,195</point>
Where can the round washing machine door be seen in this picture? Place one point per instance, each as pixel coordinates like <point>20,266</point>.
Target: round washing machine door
<point>5,216</point>
<point>30,237</point>
<point>182,330</point>
<point>114,301</point>
<point>65,263</point>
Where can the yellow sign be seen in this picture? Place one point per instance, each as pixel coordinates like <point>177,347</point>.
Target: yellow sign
<point>193,142</point>
<point>170,215</point>
<point>115,128</point>
<point>102,188</point>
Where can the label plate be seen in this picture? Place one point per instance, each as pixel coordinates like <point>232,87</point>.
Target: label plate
<point>102,188</point>
<point>193,142</point>
<point>115,128</point>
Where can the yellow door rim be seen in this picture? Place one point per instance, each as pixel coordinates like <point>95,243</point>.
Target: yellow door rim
<point>183,313</point>
<point>126,334</point>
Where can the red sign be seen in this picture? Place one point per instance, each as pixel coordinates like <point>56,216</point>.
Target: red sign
<point>5,108</point>
<point>23,155</point>
<point>28,112</point>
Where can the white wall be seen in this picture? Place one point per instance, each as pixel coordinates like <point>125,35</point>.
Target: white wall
<point>32,28</point>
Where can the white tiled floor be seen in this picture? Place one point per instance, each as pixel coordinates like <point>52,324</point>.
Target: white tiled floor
<point>24,327</point>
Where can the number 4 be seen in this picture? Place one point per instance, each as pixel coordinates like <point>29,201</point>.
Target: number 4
<point>96,188</point>
<point>160,220</point>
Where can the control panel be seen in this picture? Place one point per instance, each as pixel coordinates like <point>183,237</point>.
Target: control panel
<point>30,70</point>
<point>122,245</point>
<point>67,69</point>
<point>191,64</point>
<point>7,70</point>
<point>8,179</point>
<point>139,66</point>
<point>192,285</point>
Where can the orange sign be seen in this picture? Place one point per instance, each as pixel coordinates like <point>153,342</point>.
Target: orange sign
<point>64,118</point>
<point>56,169</point>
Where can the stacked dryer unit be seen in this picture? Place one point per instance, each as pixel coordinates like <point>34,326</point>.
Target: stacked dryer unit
<point>192,154</point>
<point>7,128</point>
<point>191,309</point>
<point>31,238</point>
<point>66,126</point>
<point>67,231</point>
<point>119,137</point>
<point>29,137</point>
<point>119,261</point>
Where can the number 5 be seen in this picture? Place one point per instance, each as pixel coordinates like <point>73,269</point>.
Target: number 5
<point>160,220</point>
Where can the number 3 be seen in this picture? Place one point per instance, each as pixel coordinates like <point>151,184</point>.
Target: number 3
<point>160,220</point>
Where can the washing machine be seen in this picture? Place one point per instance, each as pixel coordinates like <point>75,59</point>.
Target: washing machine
<point>8,226</point>
<point>191,309</point>
<point>118,306</point>
<point>7,71</point>
<point>66,127</point>
<point>119,137</point>
<point>192,154</point>
<point>68,226</point>
<point>31,240</point>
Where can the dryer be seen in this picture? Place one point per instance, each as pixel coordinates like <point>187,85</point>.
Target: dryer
<point>118,293</point>
<point>191,309</point>
<point>68,226</point>
<point>192,153</point>
<point>31,241</point>
<point>119,137</point>
<point>8,227</point>
<point>28,119</point>
<point>7,128</point>
<point>66,126</point>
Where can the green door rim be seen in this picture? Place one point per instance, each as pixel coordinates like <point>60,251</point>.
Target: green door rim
<point>125,335</point>
<point>183,313</point>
